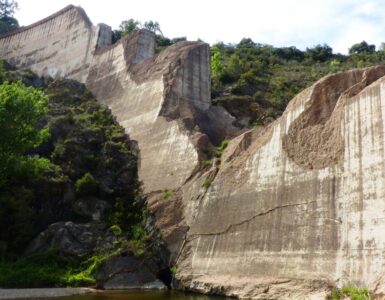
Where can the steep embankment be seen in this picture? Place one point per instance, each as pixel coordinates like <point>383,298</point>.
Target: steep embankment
<point>283,212</point>
<point>296,207</point>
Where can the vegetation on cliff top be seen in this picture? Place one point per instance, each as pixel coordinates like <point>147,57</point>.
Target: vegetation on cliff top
<point>255,82</point>
<point>7,10</point>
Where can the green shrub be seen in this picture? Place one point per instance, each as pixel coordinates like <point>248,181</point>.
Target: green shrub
<point>207,183</point>
<point>353,293</point>
<point>167,194</point>
<point>207,163</point>
<point>116,230</point>
<point>222,146</point>
<point>86,185</point>
<point>21,108</point>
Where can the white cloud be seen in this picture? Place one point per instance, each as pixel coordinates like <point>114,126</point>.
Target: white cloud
<point>302,23</point>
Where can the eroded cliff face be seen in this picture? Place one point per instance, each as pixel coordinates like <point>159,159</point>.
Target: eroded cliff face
<point>287,211</point>
<point>299,205</point>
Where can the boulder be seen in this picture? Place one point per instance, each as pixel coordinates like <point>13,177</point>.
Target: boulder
<point>123,272</point>
<point>69,239</point>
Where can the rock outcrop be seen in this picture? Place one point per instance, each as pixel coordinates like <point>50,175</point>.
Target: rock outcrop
<point>122,272</point>
<point>287,211</point>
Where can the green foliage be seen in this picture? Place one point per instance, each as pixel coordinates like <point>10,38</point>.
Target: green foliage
<point>352,292</point>
<point>86,185</point>
<point>255,81</point>
<point>8,8</point>
<point>207,183</point>
<point>129,26</point>
<point>84,274</point>
<point>207,163</point>
<point>362,47</point>
<point>52,148</point>
<point>51,270</point>
<point>21,108</point>
<point>319,53</point>
<point>8,24</point>
<point>222,146</point>
<point>167,194</point>
<point>216,62</point>
<point>116,230</point>
<point>152,26</point>
<point>173,270</point>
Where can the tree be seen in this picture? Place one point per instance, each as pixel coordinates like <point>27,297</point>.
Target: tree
<point>8,8</point>
<point>20,110</point>
<point>246,43</point>
<point>153,26</point>
<point>319,53</point>
<point>362,47</point>
<point>8,24</point>
<point>129,26</point>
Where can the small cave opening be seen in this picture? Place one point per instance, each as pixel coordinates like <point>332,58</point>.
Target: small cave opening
<point>165,275</point>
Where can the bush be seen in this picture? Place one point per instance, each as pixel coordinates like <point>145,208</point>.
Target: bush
<point>86,185</point>
<point>207,183</point>
<point>21,108</point>
<point>352,292</point>
<point>167,194</point>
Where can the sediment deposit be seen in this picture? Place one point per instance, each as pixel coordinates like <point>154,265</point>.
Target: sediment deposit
<point>287,211</point>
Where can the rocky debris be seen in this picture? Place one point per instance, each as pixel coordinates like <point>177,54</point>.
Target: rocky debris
<point>314,139</point>
<point>70,239</point>
<point>123,272</point>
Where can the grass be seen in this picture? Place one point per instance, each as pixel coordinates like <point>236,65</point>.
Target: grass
<point>50,270</point>
<point>222,146</point>
<point>206,183</point>
<point>207,163</point>
<point>167,194</point>
<point>353,293</point>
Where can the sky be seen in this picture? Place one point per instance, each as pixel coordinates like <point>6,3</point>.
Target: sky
<point>300,23</point>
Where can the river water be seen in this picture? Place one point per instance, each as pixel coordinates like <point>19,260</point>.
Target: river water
<point>143,295</point>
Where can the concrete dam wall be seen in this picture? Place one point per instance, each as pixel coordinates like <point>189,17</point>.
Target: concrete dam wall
<point>288,211</point>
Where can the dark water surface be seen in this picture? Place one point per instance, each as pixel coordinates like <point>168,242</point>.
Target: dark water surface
<point>142,295</point>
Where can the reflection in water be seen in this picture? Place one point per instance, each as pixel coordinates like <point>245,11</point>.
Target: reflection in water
<point>142,295</point>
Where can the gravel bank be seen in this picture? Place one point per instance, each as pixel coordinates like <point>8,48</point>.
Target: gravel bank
<point>41,293</point>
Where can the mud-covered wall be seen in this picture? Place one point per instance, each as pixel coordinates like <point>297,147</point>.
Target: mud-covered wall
<point>61,45</point>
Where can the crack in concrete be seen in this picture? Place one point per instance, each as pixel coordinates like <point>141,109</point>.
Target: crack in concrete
<point>197,235</point>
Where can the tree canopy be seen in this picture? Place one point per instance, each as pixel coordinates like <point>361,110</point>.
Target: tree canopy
<point>8,8</point>
<point>255,81</point>
<point>7,21</point>
<point>129,26</point>
<point>20,110</point>
<point>8,24</point>
<point>362,48</point>
<point>132,25</point>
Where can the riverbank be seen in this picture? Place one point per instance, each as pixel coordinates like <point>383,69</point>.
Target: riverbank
<point>42,293</point>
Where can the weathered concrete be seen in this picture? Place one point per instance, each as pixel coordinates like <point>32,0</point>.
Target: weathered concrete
<point>288,211</point>
<point>266,218</point>
<point>58,46</point>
